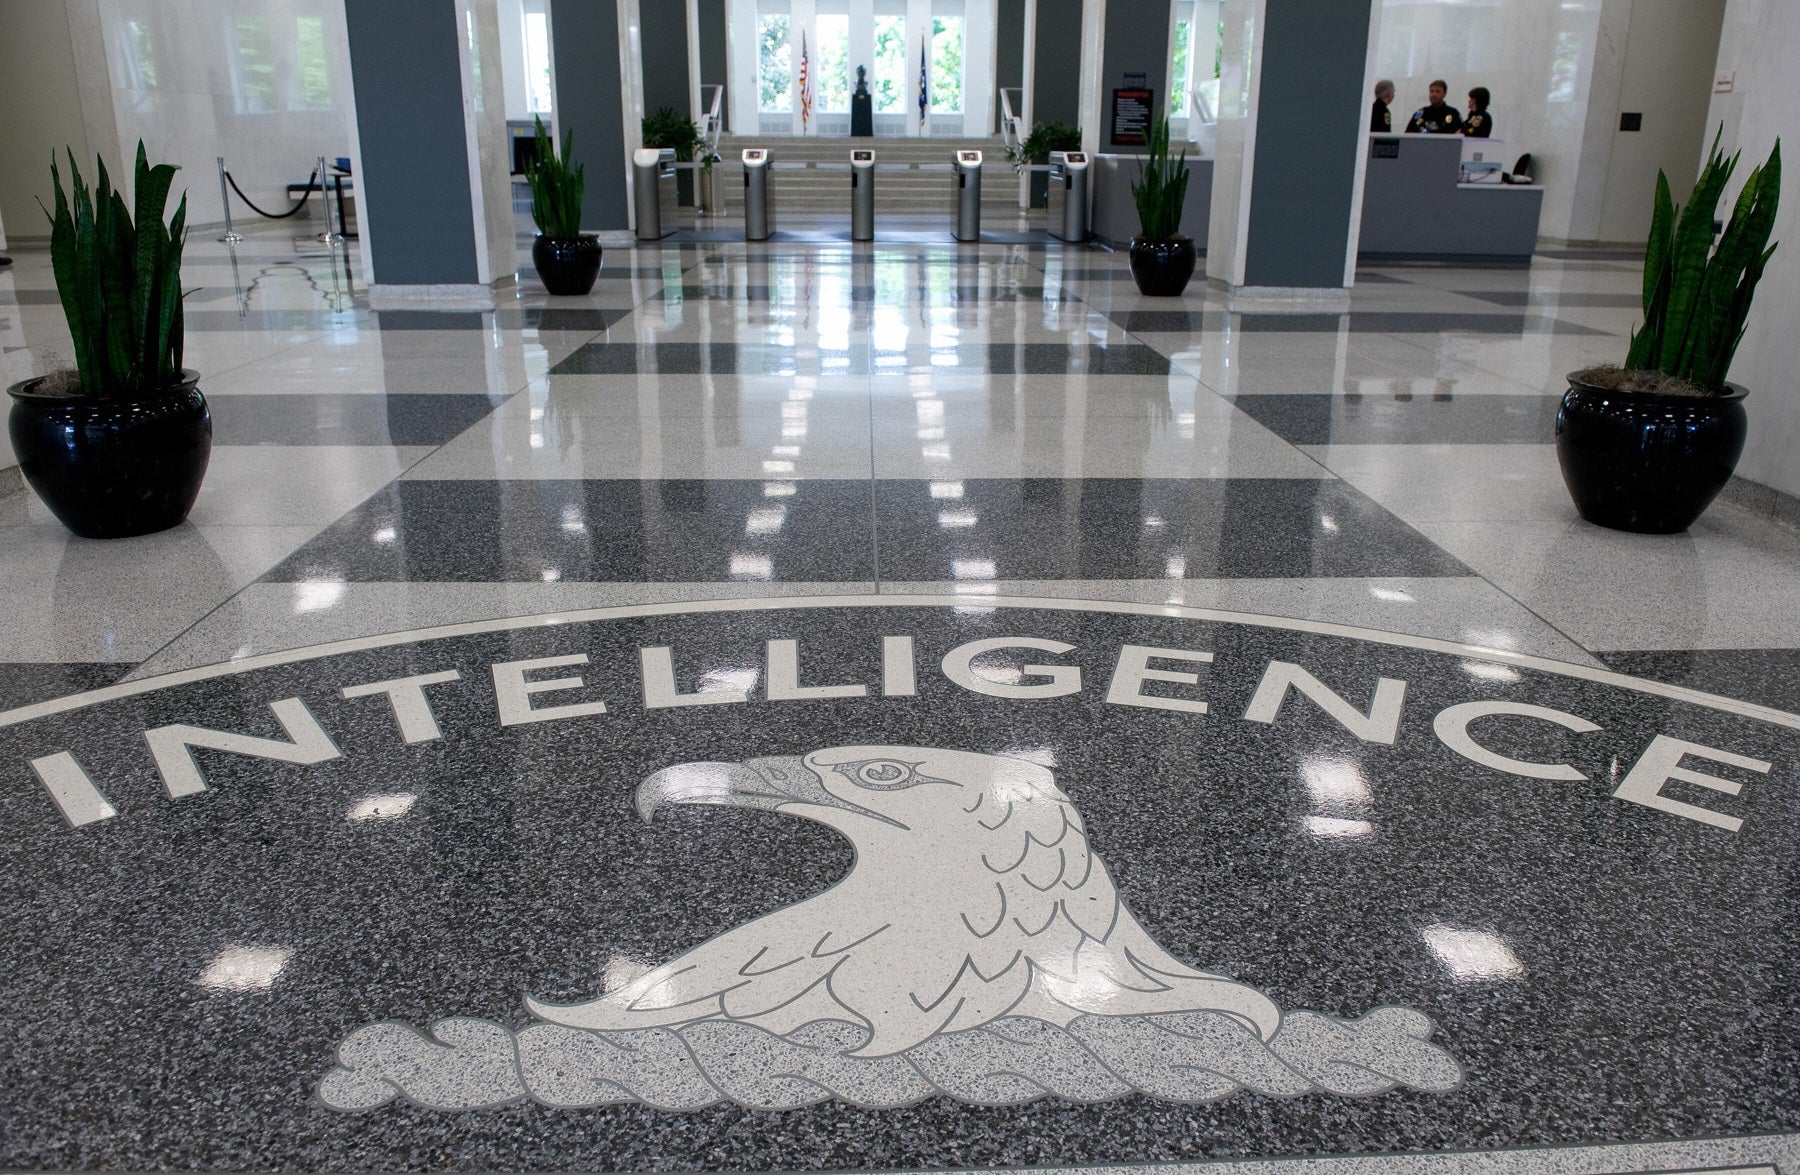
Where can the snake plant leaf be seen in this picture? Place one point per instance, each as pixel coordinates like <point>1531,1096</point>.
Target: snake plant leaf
<point>118,277</point>
<point>1656,252</point>
<point>1692,245</point>
<point>169,330</point>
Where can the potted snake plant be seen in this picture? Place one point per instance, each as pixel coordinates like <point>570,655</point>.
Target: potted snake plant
<point>567,260</point>
<point>1162,260</point>
<point>119,445</point>
<point>1646,446</point>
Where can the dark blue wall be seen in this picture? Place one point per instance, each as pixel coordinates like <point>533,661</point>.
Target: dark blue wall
<point>1056,62</point>
<point>585,43</point>
<point>1009,41</point>
<point>413,193</point>
<point>1137,41</point>
<point>712,54</point>
<point>1310,124</point>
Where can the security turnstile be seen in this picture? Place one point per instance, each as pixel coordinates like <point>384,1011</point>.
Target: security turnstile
<point>758,223</point>
<point>1068,219</point>
<point>967,166</point>
<point>653,192</point>
<point>862,195</point>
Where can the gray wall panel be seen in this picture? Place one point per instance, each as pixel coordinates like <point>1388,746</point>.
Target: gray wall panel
<point>1137,41</point>
<point>414,190</point>
<point>1009,41</point>
<point>1305,169</point>
<point>1056,62</point>
<point>665,56</point>
<point>585,36</point>
<point>713,53</point>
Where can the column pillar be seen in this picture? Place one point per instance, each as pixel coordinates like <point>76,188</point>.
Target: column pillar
<point>418,202</point>
<point>1290,146</point>
<point>588,56</point>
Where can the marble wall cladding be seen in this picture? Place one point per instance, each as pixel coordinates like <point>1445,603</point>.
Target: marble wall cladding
<point>484,106</point>
<point>265,83</point>
<point>37,74</point>
<point>1234,140</point>
<point>1535,56</point>
<point>1757,44</point>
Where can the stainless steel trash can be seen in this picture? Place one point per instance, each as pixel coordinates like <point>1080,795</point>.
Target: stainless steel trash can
<point>1068,220</point>
<point>862,195</point>
<point>967,166</point>
<point>758,222</point>
<point>653,192</point>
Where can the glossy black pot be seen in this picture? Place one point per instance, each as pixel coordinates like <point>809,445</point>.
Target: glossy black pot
<point>567,265</point>
<point>1162,268</point>
<point>113,468</point>
<point>1647,463</point>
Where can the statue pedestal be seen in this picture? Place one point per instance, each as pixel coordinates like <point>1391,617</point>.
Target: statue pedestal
<point>862,116</point>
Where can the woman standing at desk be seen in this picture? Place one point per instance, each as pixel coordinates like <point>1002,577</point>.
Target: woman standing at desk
<point>1479,124</point>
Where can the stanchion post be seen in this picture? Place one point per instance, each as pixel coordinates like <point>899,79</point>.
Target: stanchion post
<point>328,236</point>
<point>230,237</point>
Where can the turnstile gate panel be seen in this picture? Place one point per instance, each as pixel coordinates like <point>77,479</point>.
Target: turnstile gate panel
<point>1068,219</point>
<point>653,192</point>
<point>967,166</point>
<point>862,194</point>
<point>759,221</point>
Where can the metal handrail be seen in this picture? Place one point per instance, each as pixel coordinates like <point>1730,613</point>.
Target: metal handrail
<point>715,120</point>
<point>1009,122</point>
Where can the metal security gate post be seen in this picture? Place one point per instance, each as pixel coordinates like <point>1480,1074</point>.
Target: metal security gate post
<point>1068,196</point>
<point>967,165</point>
<point>757,226</point>
<point>653,192</point>
<point>862,195</point>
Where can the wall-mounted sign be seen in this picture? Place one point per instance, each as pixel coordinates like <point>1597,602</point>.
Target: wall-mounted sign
<point>1131,116</point>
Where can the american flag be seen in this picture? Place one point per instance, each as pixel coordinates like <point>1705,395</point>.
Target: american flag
<point>924,90</point>
<point>805,88</point>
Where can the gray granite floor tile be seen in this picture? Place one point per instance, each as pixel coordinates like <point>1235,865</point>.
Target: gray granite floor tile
<point>324,419</point>
<point>24,682</point>
<point>596,531</point>
<point>1768,676</point>
<point>1405,418</point>
<point>1125,528</point>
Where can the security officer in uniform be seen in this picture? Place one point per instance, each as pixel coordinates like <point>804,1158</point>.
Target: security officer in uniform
<point>1439,118</point>
<point>1479,124</point>
<point>1381,119</point>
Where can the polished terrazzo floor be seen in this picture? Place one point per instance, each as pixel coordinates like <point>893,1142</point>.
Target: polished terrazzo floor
<point>1371,752</point>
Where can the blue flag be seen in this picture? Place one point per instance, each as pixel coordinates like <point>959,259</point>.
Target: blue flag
<point>924,91</point>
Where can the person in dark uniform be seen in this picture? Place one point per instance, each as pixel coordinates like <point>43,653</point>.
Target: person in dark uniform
<point>1479,124</point>
<point>1439,118</point>
<point>1381,119</point>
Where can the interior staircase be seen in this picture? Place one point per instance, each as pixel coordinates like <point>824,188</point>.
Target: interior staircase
<point>899,188</point>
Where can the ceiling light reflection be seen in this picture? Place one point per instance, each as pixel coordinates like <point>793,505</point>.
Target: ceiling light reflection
<point>1332,828</point>
<point>387,807</point>
<point>1472,954</point>
<point>245,968</point>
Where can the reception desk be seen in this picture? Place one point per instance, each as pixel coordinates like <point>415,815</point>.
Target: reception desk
<point>1115,218</point>
<point>1414,208</point>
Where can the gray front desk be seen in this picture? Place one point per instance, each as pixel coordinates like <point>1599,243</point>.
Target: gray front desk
<point>1115,218</point>
<point>1413,208</point>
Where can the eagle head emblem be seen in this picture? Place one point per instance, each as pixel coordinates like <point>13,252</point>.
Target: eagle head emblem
<point>978,949</point>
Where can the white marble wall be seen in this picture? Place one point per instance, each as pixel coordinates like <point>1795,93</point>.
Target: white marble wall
<point>265,83</point>
<point>484,113</point>
<point>1760,43</point>
<point>1234,141</point>
<point>43,105</point>
<point>1537,57</point>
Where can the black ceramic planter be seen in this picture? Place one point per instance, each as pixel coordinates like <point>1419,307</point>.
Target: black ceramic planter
<point>1162,268</point>
<point>1646,463</point>
<point>113,468</point>
<point>567,265</point>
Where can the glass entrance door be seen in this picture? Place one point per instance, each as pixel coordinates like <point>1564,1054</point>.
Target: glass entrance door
<point>773,41</point>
